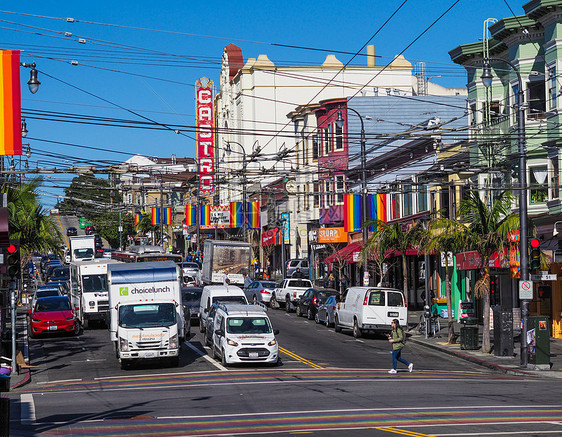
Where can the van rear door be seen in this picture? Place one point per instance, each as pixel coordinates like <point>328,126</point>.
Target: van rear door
<point>374,312</point>
<point>396,308</point>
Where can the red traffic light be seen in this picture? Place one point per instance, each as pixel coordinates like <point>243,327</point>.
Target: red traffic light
<point>535,242</point>
<point>12,248</point>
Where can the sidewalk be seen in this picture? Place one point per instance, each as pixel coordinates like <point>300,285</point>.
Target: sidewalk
<point>507,365</point>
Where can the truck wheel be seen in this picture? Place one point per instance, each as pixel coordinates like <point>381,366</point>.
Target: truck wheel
<point>288,304</point>
<point>85,323</point>
<point>356,329</point>
<point>337,326</point>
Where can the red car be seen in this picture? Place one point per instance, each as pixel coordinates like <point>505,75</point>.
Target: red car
<point>53,314</point>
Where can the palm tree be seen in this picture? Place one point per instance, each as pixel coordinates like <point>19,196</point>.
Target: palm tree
<point>488,228</point>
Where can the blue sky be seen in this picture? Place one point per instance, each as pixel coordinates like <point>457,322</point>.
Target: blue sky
<point>128,74</point>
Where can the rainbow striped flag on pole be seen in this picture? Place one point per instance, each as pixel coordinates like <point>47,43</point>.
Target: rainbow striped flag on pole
<point>381,207</point>
<point>190,215</point>
<point>138,218</point>
<point>352,212</point>
<point>155,216</point>
<point>167,216</point>
<point>10,103</point>
<point>253,215</point>
<point>235,214</point>
<point>205,215</point>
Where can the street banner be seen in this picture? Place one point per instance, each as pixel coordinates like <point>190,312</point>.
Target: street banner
<point>191,215</point>
<point>10,103</point>
<point>352,212</point>
<point>167,216</point>
<point>155,216</point>
<point>236,214</point>
<point>205,119</point>
<point>254,215</point>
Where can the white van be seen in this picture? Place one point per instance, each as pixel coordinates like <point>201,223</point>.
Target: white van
<point>218,293</point>
<point>370,309</point>
<point>242,334</point>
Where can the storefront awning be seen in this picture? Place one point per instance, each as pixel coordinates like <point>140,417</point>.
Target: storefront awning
<point>349,254</point>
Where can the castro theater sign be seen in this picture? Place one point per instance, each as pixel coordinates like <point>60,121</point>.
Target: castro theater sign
<point>204,96</point>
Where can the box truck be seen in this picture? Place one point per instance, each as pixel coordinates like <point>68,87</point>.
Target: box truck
<point>82,247</point>
<point>146,318</point>
<point>223,258</point>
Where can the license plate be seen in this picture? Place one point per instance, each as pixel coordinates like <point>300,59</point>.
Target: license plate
<point>53,328</point>
<point>392,314</point>
<point>254,355</point>
<point>149,355</point>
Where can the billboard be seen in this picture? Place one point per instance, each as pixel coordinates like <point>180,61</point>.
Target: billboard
<point>205,123</point>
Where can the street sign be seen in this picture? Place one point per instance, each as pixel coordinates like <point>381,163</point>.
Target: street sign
<point>526,290</point>
<point>544,277</point>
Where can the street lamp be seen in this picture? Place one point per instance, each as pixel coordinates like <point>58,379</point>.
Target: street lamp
<point>228,151</point>
<point>340,123</point>
<point>33,83</point>
<point>524,255</point>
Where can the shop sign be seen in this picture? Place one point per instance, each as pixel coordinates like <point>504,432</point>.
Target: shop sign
<point>205,119</point>
<point>332,235</point>
<point>469,260</point>
<point>286,227</point>
<point>268,238</point>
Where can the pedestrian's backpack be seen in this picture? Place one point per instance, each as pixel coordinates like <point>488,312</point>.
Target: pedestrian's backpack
<point>405,339</point>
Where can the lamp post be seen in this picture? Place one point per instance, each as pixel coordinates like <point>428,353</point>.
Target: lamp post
<point>340,123</point>
<point>33,83</point>
<point>524,255</point>
<point>244,218</point>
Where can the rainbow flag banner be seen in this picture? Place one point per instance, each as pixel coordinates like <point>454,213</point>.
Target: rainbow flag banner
<point>235,214</point>
<point>205,215</point>
<point>155,216</point>
<point>372,211</point>
<point>253,215</point>
<point>381,207</point>
<point>191,215</point>
<point>10,103</point>
<point>167,216</point>
<point>352,212</point>
<point>138,218</point>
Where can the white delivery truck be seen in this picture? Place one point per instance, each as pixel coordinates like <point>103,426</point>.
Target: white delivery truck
<point>224,258</point>
<point>88,290</point>
<point>145,310</point>
<point>82,247</point>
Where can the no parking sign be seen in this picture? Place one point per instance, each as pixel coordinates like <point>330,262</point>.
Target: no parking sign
<point>525,290</point>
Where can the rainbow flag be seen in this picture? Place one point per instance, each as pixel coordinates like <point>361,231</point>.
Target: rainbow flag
<point>138,218</point>
<point>235,214</point>
<point>205,215</point>
<point>10,103</point>
<point>167,216</point>
<point>381,207</point>
<point>352,212</point>
<point>253,215</point>
<point>372,212</point>
<point>190,215</point>
<point>155,216</point>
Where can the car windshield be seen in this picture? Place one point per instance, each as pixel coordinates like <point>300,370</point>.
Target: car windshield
<point>248,325</point>
<point>46,293</point>
<point>323,295</point>
<point>189,296</point>
<point>230,299</point>
<point>43,305</point>
<point>92,283</point>
<point>147,315</point>
<point>61,272</point>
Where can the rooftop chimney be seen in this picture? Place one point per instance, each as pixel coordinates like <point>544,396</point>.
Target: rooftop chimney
<point>370,56</point>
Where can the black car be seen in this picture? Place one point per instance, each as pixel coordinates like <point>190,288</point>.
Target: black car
<point>311,299</point>
<point>59,273</point>
<point>71,231</point>
<point>191,300</point>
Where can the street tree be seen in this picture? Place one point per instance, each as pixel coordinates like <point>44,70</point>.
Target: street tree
<point>488,226</point>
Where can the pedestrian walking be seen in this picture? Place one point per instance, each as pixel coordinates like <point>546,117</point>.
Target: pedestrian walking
<point>331,281</point>
<point>298,274</point>
<point>396,338</point>
<point>247,280</point>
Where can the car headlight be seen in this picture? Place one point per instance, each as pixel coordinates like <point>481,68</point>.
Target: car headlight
<point>92,303</point>
<point>272,342</point>
<point>70,318</point>
<point>174,342</point>
<point>36,320</point>
<point>231,342</point>
<point>123,344</point>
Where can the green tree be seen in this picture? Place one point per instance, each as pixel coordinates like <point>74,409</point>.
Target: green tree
<point>488,228</point>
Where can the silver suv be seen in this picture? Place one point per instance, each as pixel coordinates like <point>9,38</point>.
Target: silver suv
<point>293,264</point>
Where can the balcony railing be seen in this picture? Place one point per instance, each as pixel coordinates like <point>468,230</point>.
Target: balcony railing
<point>498,126</point>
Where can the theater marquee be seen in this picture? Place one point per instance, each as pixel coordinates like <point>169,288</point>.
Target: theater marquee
<point>205,120</point>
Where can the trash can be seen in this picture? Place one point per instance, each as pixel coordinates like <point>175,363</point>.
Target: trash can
<point>538,341</point>
<point>469,337</point>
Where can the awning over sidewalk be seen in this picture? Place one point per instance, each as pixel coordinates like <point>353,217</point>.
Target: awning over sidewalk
<point>349,254</point>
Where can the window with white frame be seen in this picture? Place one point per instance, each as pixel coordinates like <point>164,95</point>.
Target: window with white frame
<point>315,145</point>
<point>316,194</point>
<point>422,197</point>
<point>407,200</point>
<point>328,194</point>
<point>552,87</point>
<point>538,188</point>
<point>339,138</point>
<point>326,142</point>
<point>555,177</point>
<point>339,181</point>
<point>536,99</point>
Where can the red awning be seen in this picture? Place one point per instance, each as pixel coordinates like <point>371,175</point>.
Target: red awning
<point>347,254</point>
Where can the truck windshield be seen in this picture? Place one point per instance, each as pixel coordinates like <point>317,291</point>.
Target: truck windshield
<point>147,315</point>
<point>92,283</point>
<point>248,325</point>
<point>230,299</point>
<point>83,253</point>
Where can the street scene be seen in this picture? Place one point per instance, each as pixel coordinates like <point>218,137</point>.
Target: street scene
<point>293,218</point>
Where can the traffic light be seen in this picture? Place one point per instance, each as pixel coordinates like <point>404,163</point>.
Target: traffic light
<point>493,291</point>
<point>13,260</point>
<point>535,259</point>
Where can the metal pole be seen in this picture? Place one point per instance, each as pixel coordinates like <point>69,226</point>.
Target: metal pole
<point>161,211</point>
<point>120,232</point>
<point>13,320</point>
<point>427,293</point>
<point>198,222</point>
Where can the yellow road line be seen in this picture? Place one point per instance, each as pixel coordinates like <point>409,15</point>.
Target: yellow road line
<point>299,358</point>
<point>404,432</point>
<point>62,231</point>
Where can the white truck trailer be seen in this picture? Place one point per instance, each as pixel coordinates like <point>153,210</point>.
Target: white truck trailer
<point>82,247</point>
<point>145,310</point>
<point>89,291</point>
<point>224,258</point>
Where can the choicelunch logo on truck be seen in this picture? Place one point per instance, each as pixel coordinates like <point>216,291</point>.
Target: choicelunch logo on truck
<point>124,291</point>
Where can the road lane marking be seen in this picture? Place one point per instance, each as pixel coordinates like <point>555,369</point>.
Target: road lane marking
<point>299,358</point>
<point>404,432</point>
<point>60,381</point>
<point>206,356</point>
<point>62,231</point>
<point>27,416</point>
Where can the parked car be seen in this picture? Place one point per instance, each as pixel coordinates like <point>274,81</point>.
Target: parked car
<point>53,314</point>
<point>260,291</point>
<point>192,269</point>
<point>311,299</point>
<point>56,267</point>
<point>71,231</point>
<point>370,309</point>
<point>63,285</point>
<point>107,252</point>
<point>301,264</point>
<point>45,292</point>
<point>326,312</point>
<point>61,273</point>
<point>191,301</point>
<point>49,268</point>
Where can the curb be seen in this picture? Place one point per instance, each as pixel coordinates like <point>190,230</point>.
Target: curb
<point>505,370</point>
